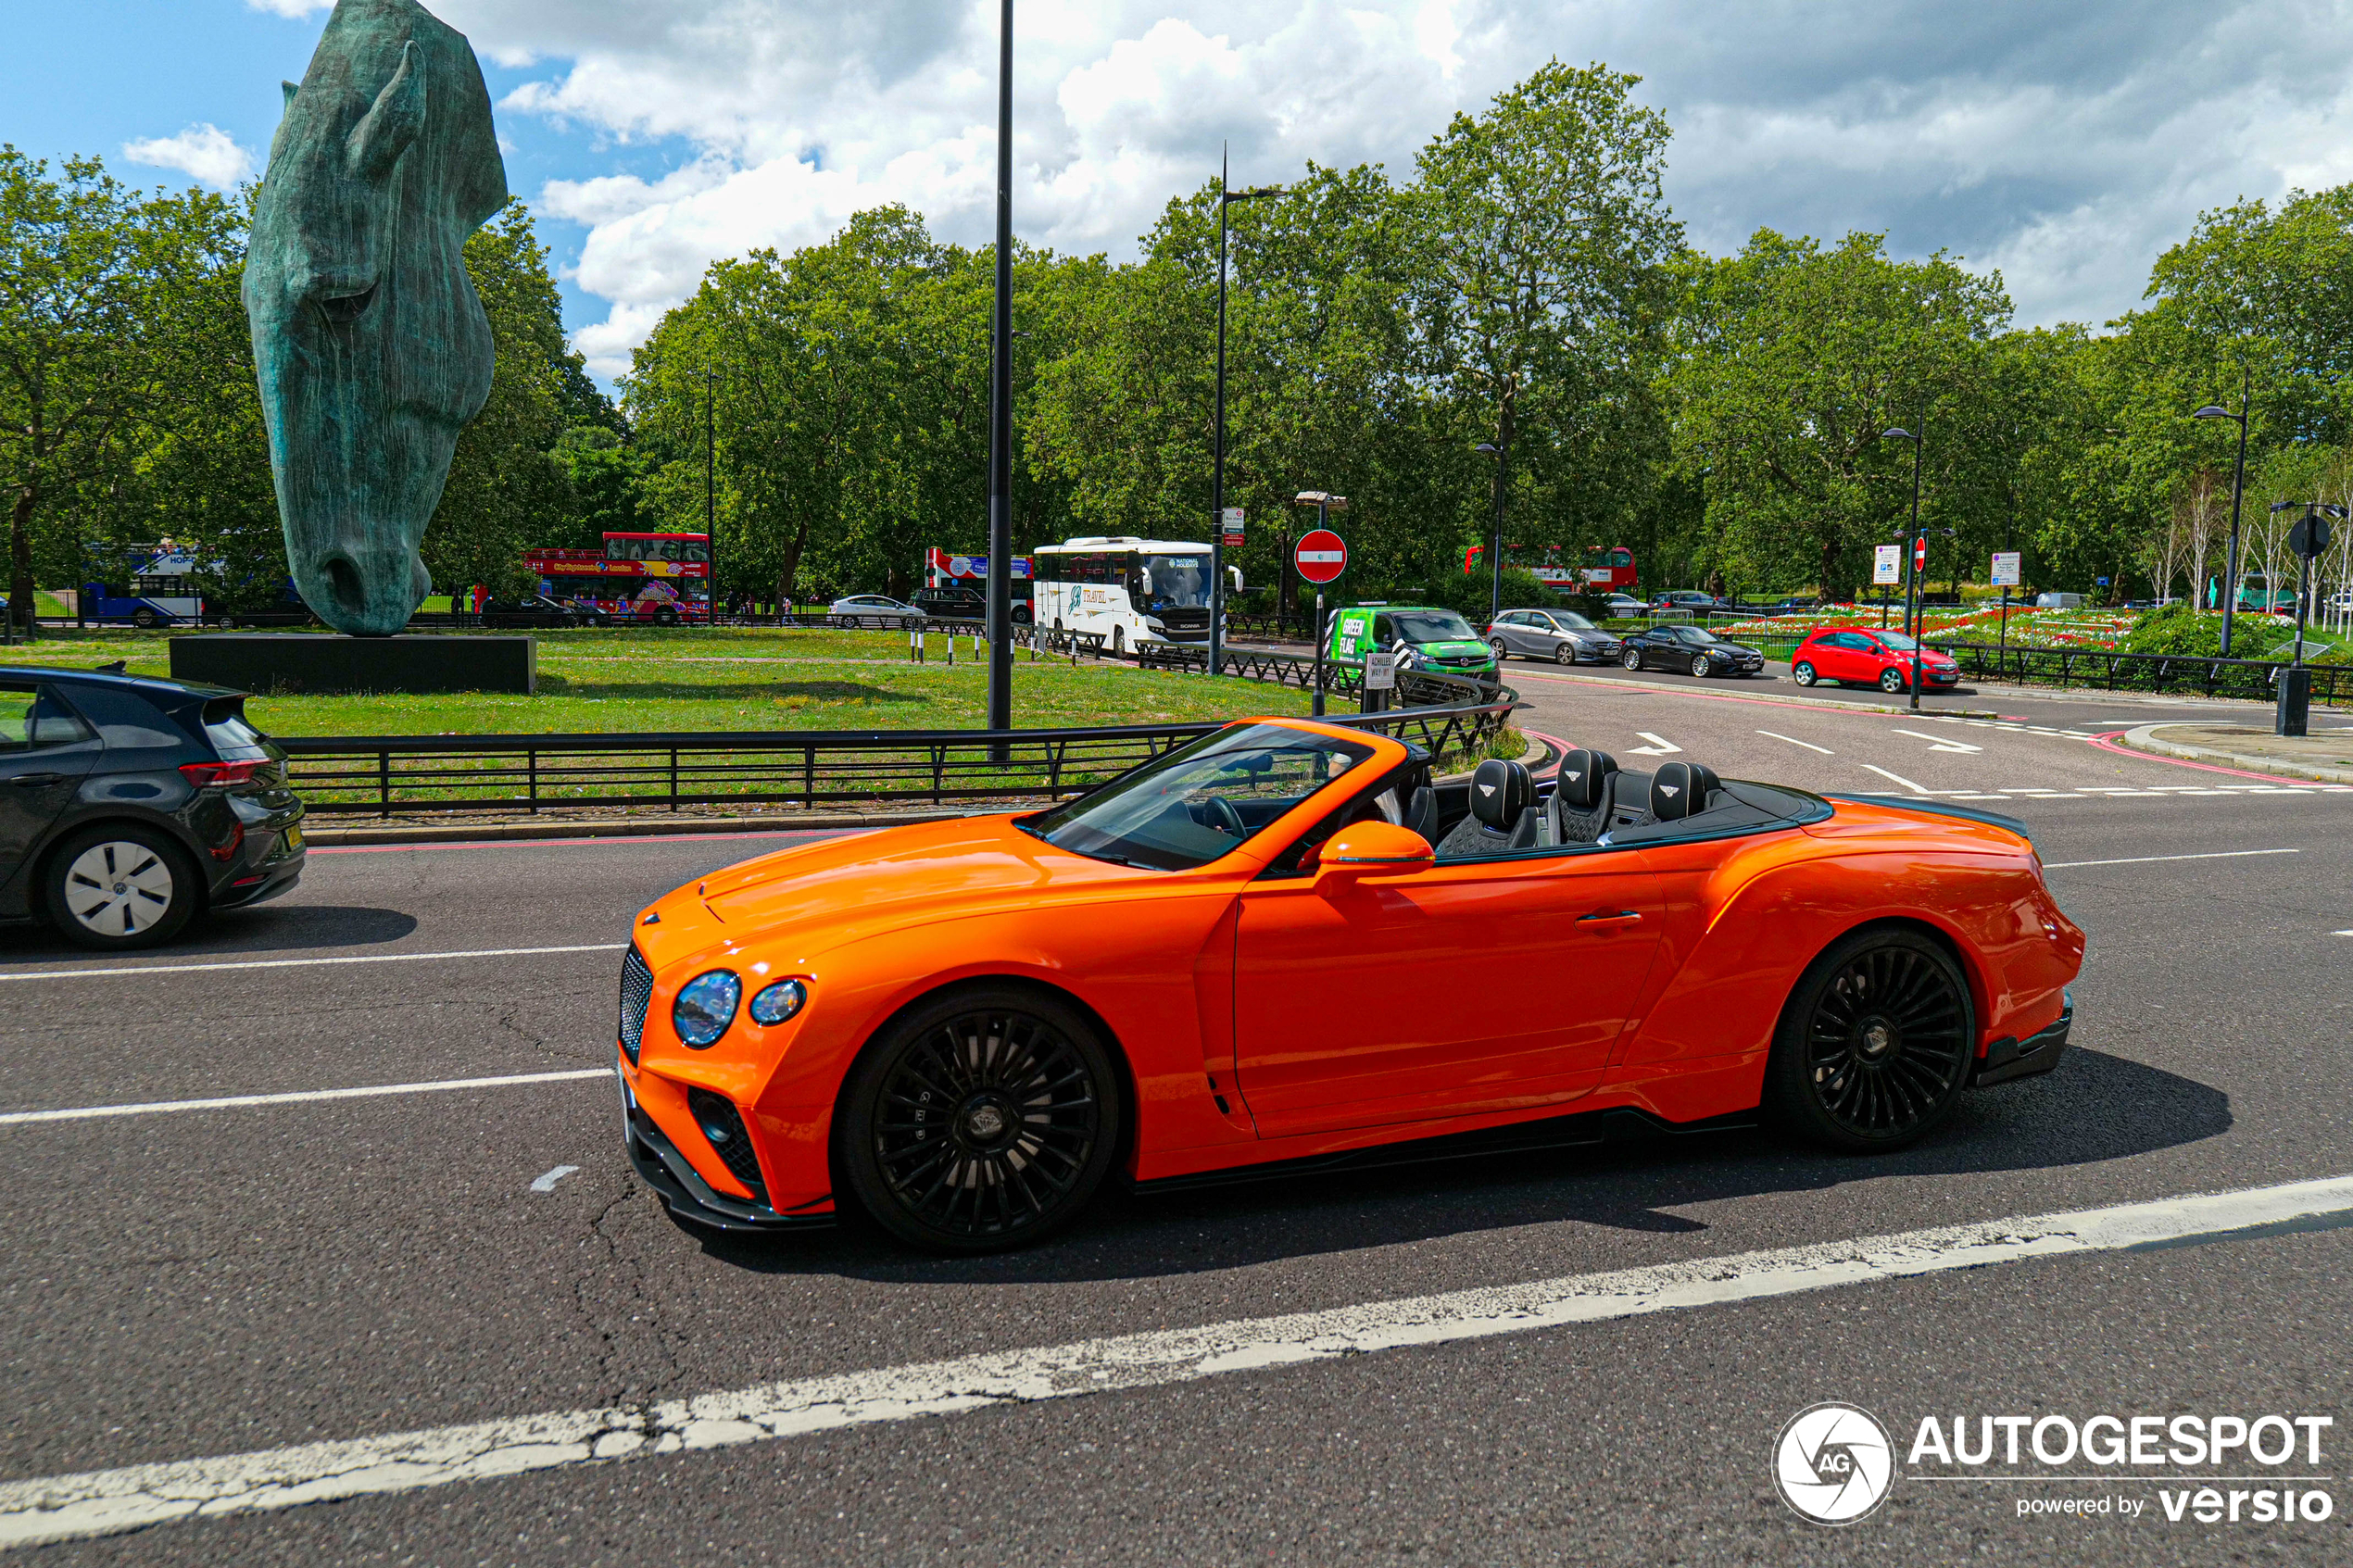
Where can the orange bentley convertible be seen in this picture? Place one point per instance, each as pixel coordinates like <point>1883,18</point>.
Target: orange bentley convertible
<point>1285,946</point>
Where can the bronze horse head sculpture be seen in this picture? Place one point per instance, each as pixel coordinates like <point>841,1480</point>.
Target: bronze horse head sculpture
<point>370,343</point>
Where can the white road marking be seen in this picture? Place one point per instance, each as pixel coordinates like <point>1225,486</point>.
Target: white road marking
<point>239,1102</point>
<point>547,1182</point>
<point>2151,860</point>
<point>1794,741</point>
<point>107,1503</point>
<point>1659,746</point>
<point>1938,743</point>
<point>1916,789</point>
<point>303,963</point>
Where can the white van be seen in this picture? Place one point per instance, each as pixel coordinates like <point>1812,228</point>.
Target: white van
<point>2058,601</point>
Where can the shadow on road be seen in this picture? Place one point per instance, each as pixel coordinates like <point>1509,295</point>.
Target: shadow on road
<point>267,929</point>
<point>2095,1108</point>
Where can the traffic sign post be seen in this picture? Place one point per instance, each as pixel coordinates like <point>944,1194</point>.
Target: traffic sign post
<point>1321,554</point>
<point>1381,679</point>
<point>2006,577</point>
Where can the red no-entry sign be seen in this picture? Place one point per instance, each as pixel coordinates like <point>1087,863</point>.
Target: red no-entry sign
<point>1321,554</point>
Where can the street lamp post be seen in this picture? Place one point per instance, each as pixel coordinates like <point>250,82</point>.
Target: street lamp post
<point>710,498</point>
<point>1495,560</point>
<point>1918,542</point>
<point>2238,484</point>
<point>1217,481</point>
<point>999,614</point>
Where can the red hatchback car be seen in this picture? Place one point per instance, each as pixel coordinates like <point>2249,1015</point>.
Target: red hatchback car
<point>1881,659</point>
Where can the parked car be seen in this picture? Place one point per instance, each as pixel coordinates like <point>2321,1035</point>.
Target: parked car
<point>1422,637</point>
<point>1561,635</point>
<point>1626,606</point>
<point>1694,649</point>
<point>1878,658</point>
<point>1689,599</point>
<point>129,805</point>
<point>2058,601</point>
<point>866,609</point>
<point>958,601</point>
<point>532,610</point>
<point>945,1025</point>
<point>1796,604</point>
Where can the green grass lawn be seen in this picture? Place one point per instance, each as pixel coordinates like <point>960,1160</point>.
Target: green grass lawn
<point>685,678</point>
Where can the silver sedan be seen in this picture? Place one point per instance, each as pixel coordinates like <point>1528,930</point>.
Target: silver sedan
<point>873,609</point>
<point>1560,635</point>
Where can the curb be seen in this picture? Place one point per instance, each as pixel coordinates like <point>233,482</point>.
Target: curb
<point>636,827</point>
<point>2145,739</point>
<point>1901,712</point>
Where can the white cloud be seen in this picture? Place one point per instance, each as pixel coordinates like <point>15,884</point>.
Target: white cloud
<point>204,153</point>
<point>2066,144</point>
<point>290,7</point>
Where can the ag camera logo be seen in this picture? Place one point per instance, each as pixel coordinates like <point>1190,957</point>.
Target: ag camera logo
<point>1834,1464</point>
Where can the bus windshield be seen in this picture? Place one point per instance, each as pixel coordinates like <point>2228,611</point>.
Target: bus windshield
<point>1179,581</point>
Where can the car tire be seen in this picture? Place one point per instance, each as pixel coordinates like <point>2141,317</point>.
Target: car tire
<point>1631,658</point>
<point>1891,681</point>
<point>144,619</point>
<point>227,623</point>
<point>1118,641</point>
<point>1500,650</point>
<point>1700,665</point>
<point>1563,653</point>
<point>1832,1079</point>
<point>1803,674</point>
<point>118,886</point>
<point>1033,1129</point>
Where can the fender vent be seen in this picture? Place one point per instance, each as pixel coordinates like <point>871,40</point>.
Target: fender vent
<point>724,1125</point>
<point>636,990</point>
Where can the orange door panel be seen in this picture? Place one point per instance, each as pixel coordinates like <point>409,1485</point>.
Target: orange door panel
<point>1467,988</point>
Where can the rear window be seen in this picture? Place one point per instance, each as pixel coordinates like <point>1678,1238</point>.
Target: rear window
<point>225,726</point>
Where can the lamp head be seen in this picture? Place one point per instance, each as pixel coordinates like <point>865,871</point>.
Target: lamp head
<point>2213,411</point>
<point>1899,433</point>
<point>1490,448</point>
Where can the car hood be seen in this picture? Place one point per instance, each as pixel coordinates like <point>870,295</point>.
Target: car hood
<point>1453,649</point>
<point>869,881</point>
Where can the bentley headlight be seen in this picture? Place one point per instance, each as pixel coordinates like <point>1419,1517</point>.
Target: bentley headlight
<point>706,1005</point>
<point>778,1002</point>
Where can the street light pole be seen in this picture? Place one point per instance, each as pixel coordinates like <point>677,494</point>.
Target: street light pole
<point>2238,486</point>
<point>711,497</point>
<point>1495,558</point>
<point>1217,480</point>
<point>1917,547</point>
<point>999,619</point>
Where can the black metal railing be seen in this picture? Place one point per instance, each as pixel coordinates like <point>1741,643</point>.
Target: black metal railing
<point>384,774</point>
<point>2251,678</point>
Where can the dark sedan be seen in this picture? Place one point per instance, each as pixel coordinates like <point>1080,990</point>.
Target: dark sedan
<point>1693,649</point>
<point>537,610</point>
<point>1560,635</point>
<point>129,805</point>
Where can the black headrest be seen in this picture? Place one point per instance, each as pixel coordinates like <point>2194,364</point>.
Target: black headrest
<point>1583,777</point>
<point>1678,789</point>
<point>1500,792</point>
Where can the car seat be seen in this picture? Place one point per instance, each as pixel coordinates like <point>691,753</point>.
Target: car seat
<point>1421,813</point>
<point>1681,789</point>
<point>1500,795</point>
<point>1581,805</point>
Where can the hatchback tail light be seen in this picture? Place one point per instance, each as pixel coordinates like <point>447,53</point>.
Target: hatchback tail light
<point>222,775</point>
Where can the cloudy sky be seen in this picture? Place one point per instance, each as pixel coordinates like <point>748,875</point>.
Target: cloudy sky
<point>2064,143</point>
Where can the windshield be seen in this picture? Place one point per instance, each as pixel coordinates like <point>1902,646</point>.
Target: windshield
<point>1569,621</point>
<point>1178,582</point>
<point>1896,640</point>
<point>1432,626</point>
<point>1697,634</point>
<point>1200,801</point>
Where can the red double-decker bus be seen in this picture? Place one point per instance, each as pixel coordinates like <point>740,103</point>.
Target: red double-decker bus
<point>661,579</point>
<point>1607,568</point>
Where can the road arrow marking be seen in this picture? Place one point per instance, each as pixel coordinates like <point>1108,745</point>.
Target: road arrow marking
<point>1659,746</point>
<point>1938,743</point>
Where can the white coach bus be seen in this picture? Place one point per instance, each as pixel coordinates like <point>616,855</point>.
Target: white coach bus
<point>1126,590</point>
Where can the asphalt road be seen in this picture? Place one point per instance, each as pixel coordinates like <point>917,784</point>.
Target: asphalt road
<point>181,1284</point>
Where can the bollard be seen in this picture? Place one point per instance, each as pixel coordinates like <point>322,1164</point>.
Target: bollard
<point>2294,717</point>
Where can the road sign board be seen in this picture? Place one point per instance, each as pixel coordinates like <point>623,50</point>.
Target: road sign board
<point>2006,565</point>
<point>1321,556</point>
<point>1919,553</point>
<point>1887,565</point>
<point>2310,536</point>
<point>1229,529</point>
<point>1380,670</point>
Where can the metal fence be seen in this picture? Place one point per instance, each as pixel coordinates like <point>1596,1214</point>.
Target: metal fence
<point>2250,678</point>
<point>384,774</point>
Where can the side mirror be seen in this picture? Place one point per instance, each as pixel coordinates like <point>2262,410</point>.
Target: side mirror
<point>1373,849</point>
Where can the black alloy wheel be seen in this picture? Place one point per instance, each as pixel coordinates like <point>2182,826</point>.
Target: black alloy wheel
<point>1631,658</point>
<point>983,1119</point>
<point>1876,1043</point>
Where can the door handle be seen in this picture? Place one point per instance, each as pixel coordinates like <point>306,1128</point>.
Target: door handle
<point>33,781</point>
<point>1610,917</point>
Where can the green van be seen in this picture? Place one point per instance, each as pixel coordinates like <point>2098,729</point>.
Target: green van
<point>1422,637</point>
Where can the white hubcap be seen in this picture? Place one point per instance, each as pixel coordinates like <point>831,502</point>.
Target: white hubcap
<point>118,889</point>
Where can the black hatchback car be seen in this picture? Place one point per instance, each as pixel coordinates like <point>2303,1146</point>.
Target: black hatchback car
<point>129,805</point>
<point>1693,648</point>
